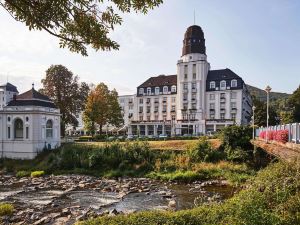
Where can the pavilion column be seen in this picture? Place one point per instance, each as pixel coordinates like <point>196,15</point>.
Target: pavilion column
<point>155,130</point>
<point>146,130</point>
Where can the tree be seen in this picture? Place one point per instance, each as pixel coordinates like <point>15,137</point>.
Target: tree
<point>77,23</point>
<point>261,113</point>
<point>102,108</point>
<point>64,89</point>
<point>294,101</point>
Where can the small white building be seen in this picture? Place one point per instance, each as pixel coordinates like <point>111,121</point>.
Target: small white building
<point>29,123</point>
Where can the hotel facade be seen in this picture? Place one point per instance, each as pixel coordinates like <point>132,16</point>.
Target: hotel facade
<point>194,101</point>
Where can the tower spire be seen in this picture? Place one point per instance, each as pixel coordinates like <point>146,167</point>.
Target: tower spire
<point>194,17</point>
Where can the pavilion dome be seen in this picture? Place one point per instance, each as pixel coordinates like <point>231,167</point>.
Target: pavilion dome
<point>194,41</point>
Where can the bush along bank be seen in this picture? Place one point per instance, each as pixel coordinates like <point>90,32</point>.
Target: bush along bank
<point>272,198</point>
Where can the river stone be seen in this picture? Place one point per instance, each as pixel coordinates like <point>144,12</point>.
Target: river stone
<point>172,204</point>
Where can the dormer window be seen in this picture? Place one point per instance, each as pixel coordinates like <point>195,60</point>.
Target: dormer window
<point>148,91</point>
<point>212,85</point>
<point>173,88</point>
<point>157,90</point>
<point>165,90</point>
<point>223,85</point>
<point>141,91</point>
<point>234,83</point>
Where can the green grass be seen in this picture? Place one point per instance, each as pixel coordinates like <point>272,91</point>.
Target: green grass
<point>23,173</point>
<point>273,198</point>
<point>6,209</point>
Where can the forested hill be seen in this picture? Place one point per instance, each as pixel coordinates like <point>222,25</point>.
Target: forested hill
<point>262,96</point>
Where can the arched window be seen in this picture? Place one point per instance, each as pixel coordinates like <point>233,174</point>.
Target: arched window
<point>173,88</point>
<point>157,90</point>
<point>18,128</point>
<point>223,85</point>
<point>49,129</point>
<point>212,85</point>
<point>149,91</point>
<point>234,83</point>
<point>165,90</point>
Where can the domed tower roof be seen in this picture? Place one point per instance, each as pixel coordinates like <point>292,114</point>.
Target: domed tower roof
<point>194,41</point>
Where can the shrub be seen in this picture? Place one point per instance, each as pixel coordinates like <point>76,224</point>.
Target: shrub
<point>37,173</point>
<point>279,135</point>
<point>23,173</point>
<point>6,209</point>
<point>237,136</point>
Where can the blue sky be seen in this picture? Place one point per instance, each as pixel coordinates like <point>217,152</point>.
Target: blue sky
<point>258,40</point>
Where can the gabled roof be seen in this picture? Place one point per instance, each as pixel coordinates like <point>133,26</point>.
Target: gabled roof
<point>223,74</point>
<point>161,80</point>
<point>10,87</point>
<point>32,94</point>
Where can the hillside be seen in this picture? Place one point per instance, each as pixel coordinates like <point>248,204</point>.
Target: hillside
<point>261,94</point>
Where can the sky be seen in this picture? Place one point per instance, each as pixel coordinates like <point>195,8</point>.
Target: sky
<point>258,40</point>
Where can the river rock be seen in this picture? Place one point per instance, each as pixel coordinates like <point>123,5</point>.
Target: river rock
<point>172,204</point>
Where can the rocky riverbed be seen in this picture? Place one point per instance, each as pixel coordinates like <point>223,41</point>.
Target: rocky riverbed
<point>67,199</point>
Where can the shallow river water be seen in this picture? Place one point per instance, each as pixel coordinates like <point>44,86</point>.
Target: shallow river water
<point>69,198</point>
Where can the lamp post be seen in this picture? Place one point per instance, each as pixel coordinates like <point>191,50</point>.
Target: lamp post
<point>268,90</point>
<point>253,122</point>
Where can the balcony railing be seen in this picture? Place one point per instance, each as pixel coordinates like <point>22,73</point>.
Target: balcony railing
<point>194,89</point>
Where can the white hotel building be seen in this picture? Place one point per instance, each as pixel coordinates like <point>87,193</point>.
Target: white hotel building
<point>194,101</point>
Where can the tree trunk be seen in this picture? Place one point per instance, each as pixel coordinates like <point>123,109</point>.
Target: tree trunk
<point>100,129</point>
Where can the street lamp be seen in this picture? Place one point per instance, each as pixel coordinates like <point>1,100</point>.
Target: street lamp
<point>268,90</point>
<point>253,122</point>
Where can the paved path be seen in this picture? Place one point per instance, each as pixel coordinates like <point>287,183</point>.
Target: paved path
<point>281,151</point>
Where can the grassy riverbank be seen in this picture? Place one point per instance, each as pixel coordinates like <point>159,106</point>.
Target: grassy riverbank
<point>203,159</point>
<point>272,198</point>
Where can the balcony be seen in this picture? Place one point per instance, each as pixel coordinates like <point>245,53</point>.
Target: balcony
<point>164,111</point>
<point>148,102</point>
<point>212,110</point>
<point>130,102</point>
<point>185,90</point>
<point>155,110</point>
<point>148,111</point>
<point>194,100</point>
<point>233,110</point>
<point>156,101</point>
<point>194,90</point>
<point>140,111</point>
<point>222,110</point>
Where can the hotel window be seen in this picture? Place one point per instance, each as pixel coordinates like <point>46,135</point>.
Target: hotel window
<point>164,108</point>
<point>222,116</point>
<point>233,105</point>
<point>184,116</point>
<point>130,107</point>
<point>212,105</point>
<point>173,88</point>
<point>222,105</point>
<point>223,85</point>
<point>156,117</point>
<point>185,106</point>
<point>148,91</point>
<point>185,69</point>
<point>192,116</point>
<point>148,118</point>
<point>141,101</point>
<point>193,96</point>
<point>165,90</point>
<point>173,99</point>
<point>212,96</point>
<point>194,85</point>
<point>165,99</point>
<point>194,71</point>
<point>233,95</point>
<point>141,91</point>
<point>185,97</point>
<point>194,106</point>
<point>141,118</point>
<point>156,100</point>
<point>185,76</point>
<point>164,118</point>
<point>223,95</point>
<point>141,109</point>
<point>212,85</point>
<point>173,108</point>
<point>233,116</point>
<point>157,90</point>
<point>212,116</point>
<point>234,83</point>
<point>173,117</point>
<point>148,109</point>
<point>156,108</point>
<point>185,86</point>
